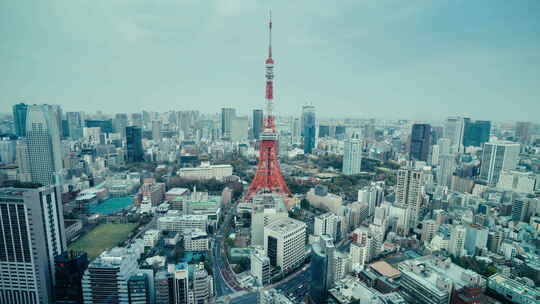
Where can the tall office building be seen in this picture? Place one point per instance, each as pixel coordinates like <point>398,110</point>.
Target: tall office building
<point>139,289</point>
<point>19,119</point>
<point>164,289</point>
<point>328,224</point>
<point>410,195</point>
<point>239,128</point>
<point>322,269</point>
<point>476,238</point>
<point>227,116</point>
<point>181,284</point>
<point>134,147</point>
<point>75,125</point>
<point>523,132</point>
<point>352,156</point>
<point>69,271</point>
<point>43,148</point>
<point>107,277</point>
<point>373,195</point>
<point>445,171</point>
<point>32,235</point>
<point>284,243</point>
<point>457,241</point>
<point>257,123</point>
<point>309,128</point>
<point>260,267</point>
<point>202,285</point>
<point>420,142</point>
<point>156,131</point>
<point>120,122</point>
<point>296,130</point>
<point>137,120</point>
<point>454,128</point>
<point>476,133</point>
<point>498,156</point>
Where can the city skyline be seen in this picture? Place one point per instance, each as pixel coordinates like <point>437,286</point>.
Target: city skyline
<point>472,59</point>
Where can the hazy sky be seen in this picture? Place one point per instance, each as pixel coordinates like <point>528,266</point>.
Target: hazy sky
<point>412,59</point>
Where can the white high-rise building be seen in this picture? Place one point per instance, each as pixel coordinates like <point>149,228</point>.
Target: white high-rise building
<point>43,149</point>
<point>373,195</point>
<point>352,156</point>
<point>106,278</point>
<point>360,253</point>
<point>498,156</point>
<point>457,241</point>
<point>32,235</point>
<point>329,224</point>
<point>203,289</point>
<point>409,195</point>
<point>429,229</point>
<point>447,166</point>
<point>266,208</point>
<point>156,131</point>
<point>454,128</point>
<point>284,243</point>
<point>239,128</point>
<point>260,266</point>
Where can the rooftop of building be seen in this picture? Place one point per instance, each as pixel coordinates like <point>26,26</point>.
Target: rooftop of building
<point>515,286</point>
<point>428,269</point>
<point>178,191</point>
<point>285,225</point>
<point>14,193</point>
<point>385,269</point>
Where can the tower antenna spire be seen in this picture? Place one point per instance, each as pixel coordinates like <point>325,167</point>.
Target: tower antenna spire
<point>270,33</point>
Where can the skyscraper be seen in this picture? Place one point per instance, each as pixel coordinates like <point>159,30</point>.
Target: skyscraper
<point>454,129</point>
<point>352,156</point>
<point>134,145</point>
<point>120,123</point>
<point>420,142</point>
<point>32,235</point>
<point>322,269</point>
<point>309,128</point>
<point>156,130</point>
<point>43,145</point>
<point>523,132</point>
<point>447,166</point>
<point>227,115</point>
<point>69,271</point>
<point>257,123</point>
<point>476,133</point>
<point>106,279</point>
<point>75,124</point>
<point>181,284</point>
<point>409,195</point>
<point>239,128</point>
<point>284,243</point>
<point>19,119</point>
<point>498,156</point>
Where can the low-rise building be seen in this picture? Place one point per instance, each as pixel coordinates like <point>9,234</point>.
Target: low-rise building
<point>178,223</point>
<point>196,240</point>
<point>206,171</point>
<point>513,290</point>
<point>151,237</point>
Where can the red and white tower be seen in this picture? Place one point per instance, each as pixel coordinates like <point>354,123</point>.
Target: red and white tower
<point>268,176</point>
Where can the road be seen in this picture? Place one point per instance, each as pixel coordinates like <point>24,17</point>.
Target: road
<point>224,280</point>
<point>296,287</point>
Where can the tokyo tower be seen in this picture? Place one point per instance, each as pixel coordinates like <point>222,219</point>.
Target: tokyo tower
<point>268,176</point>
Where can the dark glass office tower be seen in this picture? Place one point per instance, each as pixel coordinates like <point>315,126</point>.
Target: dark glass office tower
<point>476,133</point>
<point>134,145</point>
<point>420,142</point>
<point>257,123</point>
<point>69,267</point>
<point>19,119</point>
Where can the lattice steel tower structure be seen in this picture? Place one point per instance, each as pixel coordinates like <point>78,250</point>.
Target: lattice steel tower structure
<point>268,176</point>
